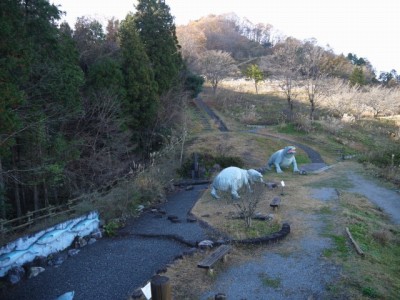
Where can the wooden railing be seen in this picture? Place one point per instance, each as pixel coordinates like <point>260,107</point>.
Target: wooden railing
<point>33,217</point>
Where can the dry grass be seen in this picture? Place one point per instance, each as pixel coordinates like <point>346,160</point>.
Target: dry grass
<point>238,105</point>
<point>297,204</point>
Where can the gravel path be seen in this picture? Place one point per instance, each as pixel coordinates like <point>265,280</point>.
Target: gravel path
<point>386,199</point>
<point>301,273</point>
<point>112,268</point>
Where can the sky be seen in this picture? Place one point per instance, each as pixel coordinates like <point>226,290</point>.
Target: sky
<point>369,29</point>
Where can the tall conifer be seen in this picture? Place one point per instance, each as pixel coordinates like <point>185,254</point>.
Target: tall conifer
<point>157,30</point>
<point>141,103</point>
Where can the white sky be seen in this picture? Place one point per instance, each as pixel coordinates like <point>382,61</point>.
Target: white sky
<point>370,29</point>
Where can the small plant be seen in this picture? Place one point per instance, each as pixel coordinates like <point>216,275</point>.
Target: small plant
<point>269,281</point>
<point>247,205</point>
<point>110,229</point>
<point>208,161</point>
<point>382,237</point>
<point>370,292</point>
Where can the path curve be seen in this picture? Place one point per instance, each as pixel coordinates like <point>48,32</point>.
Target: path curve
<point>113,268</point>
<point>314,156</point>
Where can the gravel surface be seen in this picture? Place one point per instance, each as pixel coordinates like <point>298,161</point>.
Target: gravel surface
<point>382,197</point>
<point>112,268</point>
<point>301,274</point>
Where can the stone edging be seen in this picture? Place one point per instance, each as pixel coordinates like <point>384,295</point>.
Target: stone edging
<point>271,238</point>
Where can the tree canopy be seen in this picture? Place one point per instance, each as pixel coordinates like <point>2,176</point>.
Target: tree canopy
<point>157,31</point>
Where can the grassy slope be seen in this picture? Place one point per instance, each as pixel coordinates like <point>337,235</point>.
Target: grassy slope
<point>377,275</point>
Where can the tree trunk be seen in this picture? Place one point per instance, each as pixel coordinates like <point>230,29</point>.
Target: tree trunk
<point>312,110</point>
<point>16,186</point>
<point>17,199</point>
<point>2,194</point>
<point>214,87</point>
<point>290,107</point>
<point>35,197</point>
<point>45,194</point>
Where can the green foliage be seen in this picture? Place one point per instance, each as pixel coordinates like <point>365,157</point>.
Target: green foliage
<point>110,229</point>
<point>290,128</point>
<point>269,281</point>
<point>355,60</point>
<point>370,292</point>
<point>357,77</point>
<point>14,62</point>
<point>90,40</point>
<point>254,73</point>
<point>39,88</point>
<point>141,102</point>
<point>208,161</point>
<point>194,84</point>
<point>157,31</point>
<point>106,74</point>
<point>383,157</point>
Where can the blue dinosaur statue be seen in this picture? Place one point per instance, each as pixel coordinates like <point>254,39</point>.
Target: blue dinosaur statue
<point>233,179</point>
<point>283,159</point>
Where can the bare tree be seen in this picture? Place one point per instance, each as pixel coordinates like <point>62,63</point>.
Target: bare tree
<point>377,99</point>
<point>216,65</point>
<point>285,65</point>
<point>312,58</point>
<point>247,204</point>
<point>192,41</point>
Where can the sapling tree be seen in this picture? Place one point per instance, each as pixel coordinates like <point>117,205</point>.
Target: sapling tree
<point>254,73</point>
<point>248,203</point>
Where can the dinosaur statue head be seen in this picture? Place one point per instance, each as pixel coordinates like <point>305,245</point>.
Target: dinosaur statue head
<point>255,176</point>
<point>289,151</point>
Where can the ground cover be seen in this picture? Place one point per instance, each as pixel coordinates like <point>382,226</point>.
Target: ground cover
<point>331,210</point>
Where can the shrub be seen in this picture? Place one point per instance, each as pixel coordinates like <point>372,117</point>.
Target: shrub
<point>207,162</point>
<point>194,84</point>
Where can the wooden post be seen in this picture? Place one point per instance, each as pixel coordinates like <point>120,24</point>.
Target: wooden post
<point>160,288</point>
<point>196,165</point>
<point>29,215</point>
<point>358,249</point>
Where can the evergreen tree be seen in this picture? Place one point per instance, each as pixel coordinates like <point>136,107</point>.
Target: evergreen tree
<point>357,77</point>
<point>158,33</point>
<point>141,102</point>
<point>14,60</point>
<point>106,74</point>
<point>40,81</point>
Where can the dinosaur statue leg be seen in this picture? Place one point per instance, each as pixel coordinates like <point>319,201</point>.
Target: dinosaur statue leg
<point>295,168</point>
<point>235,194</point>
<point>214,193</point>
<point>278,168</point>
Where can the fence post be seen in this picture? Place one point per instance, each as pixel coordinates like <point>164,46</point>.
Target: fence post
<point>29,215</point>
<point>160,288</point>
<point>51,210</point>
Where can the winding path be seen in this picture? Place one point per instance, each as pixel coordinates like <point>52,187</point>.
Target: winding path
<point>113,268</point>
<point>314,156</point>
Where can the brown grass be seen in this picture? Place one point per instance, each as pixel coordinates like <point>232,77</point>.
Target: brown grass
<point>359,277</point>
<point>296,202</point>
